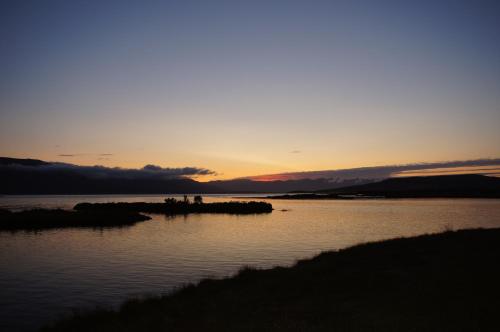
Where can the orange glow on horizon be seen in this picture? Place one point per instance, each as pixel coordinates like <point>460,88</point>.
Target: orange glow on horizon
<point>493,170</point>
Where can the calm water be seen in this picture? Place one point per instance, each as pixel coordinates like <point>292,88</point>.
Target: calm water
<point>46,274</point>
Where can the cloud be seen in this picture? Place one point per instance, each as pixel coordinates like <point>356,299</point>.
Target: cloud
<point>295,151</point>
<point>149,172</point>
<point>84,154</point>
<point>381,172</point>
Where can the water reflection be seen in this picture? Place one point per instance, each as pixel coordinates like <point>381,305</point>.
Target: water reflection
<point>46,273</point>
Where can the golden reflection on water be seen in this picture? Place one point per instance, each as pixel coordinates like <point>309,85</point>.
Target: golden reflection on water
<point>46,273</point>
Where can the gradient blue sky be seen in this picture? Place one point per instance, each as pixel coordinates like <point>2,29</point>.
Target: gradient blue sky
<point>250,87</point>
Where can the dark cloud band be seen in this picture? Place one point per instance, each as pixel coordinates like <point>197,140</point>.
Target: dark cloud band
<point>150,172</point>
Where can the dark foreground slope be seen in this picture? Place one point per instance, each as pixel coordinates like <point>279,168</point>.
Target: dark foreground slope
<point>443,282</point>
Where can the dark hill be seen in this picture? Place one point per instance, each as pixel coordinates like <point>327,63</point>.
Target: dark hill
<point>31,176</point>
<point>22,162</point>
<point>282,186</point>
<point>20,181</point>
<point>469,185</point>
<point>36,177</point>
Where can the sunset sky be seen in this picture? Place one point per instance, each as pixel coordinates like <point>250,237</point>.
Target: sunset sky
<point>250,87</point>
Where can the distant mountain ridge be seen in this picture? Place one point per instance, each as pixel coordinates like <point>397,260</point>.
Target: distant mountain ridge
<point>22,162</point>
<point>31,176</point>
<point>468,185</point>
<point>282,186</point>
<point>37,177</point>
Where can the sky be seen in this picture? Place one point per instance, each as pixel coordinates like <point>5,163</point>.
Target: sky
<point>245,88</point>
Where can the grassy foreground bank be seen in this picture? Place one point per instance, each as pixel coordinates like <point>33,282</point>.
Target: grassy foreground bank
<point>443,282</point>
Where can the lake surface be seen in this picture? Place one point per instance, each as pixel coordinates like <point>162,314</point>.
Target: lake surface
<point>46,274</point>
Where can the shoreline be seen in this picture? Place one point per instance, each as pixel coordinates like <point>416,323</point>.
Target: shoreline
<point>375,197</point>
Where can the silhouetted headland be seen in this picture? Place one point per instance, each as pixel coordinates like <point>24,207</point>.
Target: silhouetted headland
<point>443,186</point>
<point>39,219</point>
<point>173,206</point>
<point>440,282</point>
<point>119,214</point>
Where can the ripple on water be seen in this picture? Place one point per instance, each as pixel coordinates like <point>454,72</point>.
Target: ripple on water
<point>46,274</point>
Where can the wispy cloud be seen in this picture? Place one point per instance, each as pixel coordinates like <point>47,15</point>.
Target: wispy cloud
<point>85,154</point>
<point>381,172</point>
<point>295,151</point>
